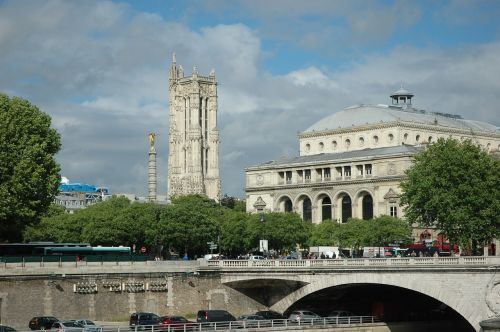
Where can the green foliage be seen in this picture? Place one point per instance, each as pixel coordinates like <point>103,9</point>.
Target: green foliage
<point>188,223</point>
<point>29,174</point>
<point>283,230</point>
<point>234,237</point>
<point>454,186</point>
<point>357,233</point>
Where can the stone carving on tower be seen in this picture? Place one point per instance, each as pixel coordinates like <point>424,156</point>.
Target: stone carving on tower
<point>193,160</point>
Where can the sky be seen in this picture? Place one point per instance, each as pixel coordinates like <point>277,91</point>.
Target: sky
<point>100,70</point>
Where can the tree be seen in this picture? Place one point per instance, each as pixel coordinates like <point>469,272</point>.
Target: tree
<point>188,224</point>
<point>283,230</point>
<point>29,174</point>
<point>454,186</point>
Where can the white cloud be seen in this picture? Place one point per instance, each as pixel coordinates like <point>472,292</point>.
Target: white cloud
<point>100,70</point>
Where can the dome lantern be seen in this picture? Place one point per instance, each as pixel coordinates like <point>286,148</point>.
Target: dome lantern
<point>401,97</point>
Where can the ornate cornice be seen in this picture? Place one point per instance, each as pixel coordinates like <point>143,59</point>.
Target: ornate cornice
<point>399,124</point>
<point>330,184</point>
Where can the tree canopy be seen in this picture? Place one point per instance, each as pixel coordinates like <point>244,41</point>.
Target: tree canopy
<point>454,186</point>
<point>29,173</point>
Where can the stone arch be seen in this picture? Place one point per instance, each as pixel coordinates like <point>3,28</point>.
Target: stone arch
<point>303,205</point>
<point>284,204</point>
<point>343,202</point>
<point>362,204</point>
<point>325,206</point>
<point>445,295</point>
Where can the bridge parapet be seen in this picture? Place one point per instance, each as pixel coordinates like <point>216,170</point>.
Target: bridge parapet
<point>437,262</point>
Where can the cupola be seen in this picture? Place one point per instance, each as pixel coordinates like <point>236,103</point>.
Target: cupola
<point>401,97</point>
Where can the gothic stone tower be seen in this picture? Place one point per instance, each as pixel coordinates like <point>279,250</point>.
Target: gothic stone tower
<point>193,161</point>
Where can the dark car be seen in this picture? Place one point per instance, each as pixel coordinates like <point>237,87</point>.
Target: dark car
<point>42,322</point>
<point>141,320</point>
<point>269,314</point>
<point>175,323</point>
<point>218,318</point>
<point>5,328</point>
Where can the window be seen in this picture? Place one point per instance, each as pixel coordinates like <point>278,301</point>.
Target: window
<point>361,141</point>
<point>368,169</point>
<point>308,147</point>
<point>326,171</point>
<point>390,137</point>
<point>429,140</point>
<point>417,138</point>
<point>375,139</point>
<point>307,175</point>
<point>347,143</point>
<point>288,177</point>
<point>321,146</point>
<point>334,145</point>
<point>347,171</point>
<point>281,177</point>
<point>393,211</point>
<point>405,137</point>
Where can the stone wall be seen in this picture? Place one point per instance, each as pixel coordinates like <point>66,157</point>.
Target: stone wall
<point>22,298</point>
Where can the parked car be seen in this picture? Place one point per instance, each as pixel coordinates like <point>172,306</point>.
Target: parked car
<point>66,326</point>
<point>219,318</point>
<point>304,316</point>
<point>141,320</point>
<point>42,322</point>
<point>175,323</point>
<point>5,328</point>
<point>88,325</point>
<point>253,321</point>
<point>269,314</point>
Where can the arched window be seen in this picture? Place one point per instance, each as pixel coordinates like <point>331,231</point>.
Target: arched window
<point>321,146</point>
<point>334,145</point>
<point>375,139</point>
<point>361,141</point>
<point>308,147</point>
<point>405,137</point>
<point>326,208</point>
<point>288,205</point>
<point>417,138</point>
<point>429,140</point>
<point>367,207</point>
<point>390,137</point>
<point>346,208</point>
<point>306,209</point>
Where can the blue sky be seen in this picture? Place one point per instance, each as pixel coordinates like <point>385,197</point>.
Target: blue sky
<point>99,68</point>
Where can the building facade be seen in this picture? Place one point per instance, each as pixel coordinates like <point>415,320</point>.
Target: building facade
<point>350,163</point>
<point>193,161</point>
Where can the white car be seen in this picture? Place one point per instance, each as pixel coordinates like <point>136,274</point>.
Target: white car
<point>256,258</point>
<point>88,325</point>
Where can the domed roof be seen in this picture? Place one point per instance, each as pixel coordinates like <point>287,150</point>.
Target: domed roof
<point>360,115</point>
<point>402,92</point>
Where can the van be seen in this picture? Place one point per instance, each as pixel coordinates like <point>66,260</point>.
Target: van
<point>142,319</point>
<point>220,317</point>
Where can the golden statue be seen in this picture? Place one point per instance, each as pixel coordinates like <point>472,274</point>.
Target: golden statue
<point>152,140</point>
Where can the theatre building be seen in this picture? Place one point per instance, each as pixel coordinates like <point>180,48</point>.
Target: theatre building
<point>350,163</point>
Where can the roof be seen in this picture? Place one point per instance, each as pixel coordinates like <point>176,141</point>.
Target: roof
<point>324,157</point>
<point>359,115</point>
<point>402,92</point>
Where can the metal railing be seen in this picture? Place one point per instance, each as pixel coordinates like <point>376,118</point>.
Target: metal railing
<point>266,325</point>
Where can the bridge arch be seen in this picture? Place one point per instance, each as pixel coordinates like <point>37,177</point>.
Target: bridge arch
<point>445,295</point>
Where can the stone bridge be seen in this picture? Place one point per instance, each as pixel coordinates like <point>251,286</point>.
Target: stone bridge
<point>469,285</point>
<point>110,290</point>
